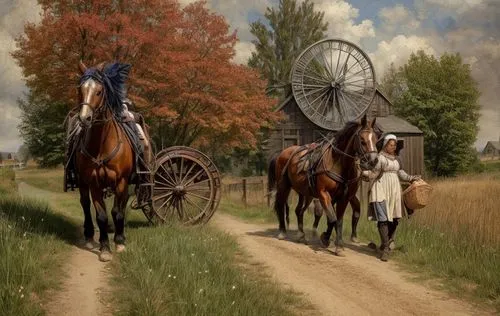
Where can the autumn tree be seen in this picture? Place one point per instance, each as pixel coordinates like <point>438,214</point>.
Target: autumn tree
<point>290,28</point>
<point>441,98</point>
<point>182,77</point>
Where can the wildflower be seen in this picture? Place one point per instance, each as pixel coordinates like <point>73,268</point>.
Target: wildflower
<point>43,219</point>
<point>200,291</point>
<point>175,277</point>
<point>234,287</point>
<point>192,255</point>
<point>232,303</point>
<point>150,270</point>
<point>169,275</point>
<point>22,295</point>
<point>206,271</point>
<point>10,227</point>
<point>22,217</point>
<point>24,235</point>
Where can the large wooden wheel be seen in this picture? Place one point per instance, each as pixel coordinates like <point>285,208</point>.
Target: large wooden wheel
<point>333,82</point>
<point>186,187</point>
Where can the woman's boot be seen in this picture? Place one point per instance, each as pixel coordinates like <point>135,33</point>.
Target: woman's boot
<point>383,229</point>
<point>392,233</point>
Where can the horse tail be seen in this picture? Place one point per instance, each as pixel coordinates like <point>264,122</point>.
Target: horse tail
<point>271,175</point>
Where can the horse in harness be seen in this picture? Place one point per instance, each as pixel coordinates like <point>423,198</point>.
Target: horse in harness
<point>331,176</point>
<point>106,150</point>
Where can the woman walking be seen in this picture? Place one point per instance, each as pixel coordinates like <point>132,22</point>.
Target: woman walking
<point>385,195</point>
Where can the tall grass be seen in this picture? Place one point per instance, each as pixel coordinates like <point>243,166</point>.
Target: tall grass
<point>33,244</point>
<point>456,237</point>
<point>175,270</point>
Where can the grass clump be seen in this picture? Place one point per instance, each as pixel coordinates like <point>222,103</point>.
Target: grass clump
<point>174,270</point>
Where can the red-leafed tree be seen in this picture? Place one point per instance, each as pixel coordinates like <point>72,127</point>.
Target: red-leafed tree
<point>182,76</point>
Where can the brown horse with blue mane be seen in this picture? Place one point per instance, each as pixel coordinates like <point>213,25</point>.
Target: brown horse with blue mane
<point>332,175</point>
<point>104,155</point>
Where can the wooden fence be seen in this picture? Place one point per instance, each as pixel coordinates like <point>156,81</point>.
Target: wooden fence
<point>250,191</point>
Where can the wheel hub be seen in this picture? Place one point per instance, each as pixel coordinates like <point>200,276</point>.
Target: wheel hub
<point>180,190</point>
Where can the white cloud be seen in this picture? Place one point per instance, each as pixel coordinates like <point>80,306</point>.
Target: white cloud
<point>243,52</point>
<point>397,51</point>
<point>341,17</point>
<point>11,83</point>
<point>398,18</point>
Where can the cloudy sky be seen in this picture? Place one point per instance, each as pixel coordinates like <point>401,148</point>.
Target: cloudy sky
<point>389,30</point>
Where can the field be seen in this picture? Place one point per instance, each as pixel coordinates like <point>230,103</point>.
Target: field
<point>456,238</point>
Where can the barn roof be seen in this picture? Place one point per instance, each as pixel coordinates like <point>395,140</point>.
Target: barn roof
<point>394,124</point>
<point>495,144</point>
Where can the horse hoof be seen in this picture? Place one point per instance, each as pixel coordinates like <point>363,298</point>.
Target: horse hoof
<point>120,248</point>
<point>281,236</point>
<point>355,240</point>
<point>89,245</point>
<point>105,256</point>
<point>339,251</point>
<point>315,233</point>
<point>325,242</point>
<point>372,245</point>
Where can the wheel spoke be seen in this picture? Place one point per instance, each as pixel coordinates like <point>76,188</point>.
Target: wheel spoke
<point>193,203</point>
<point>198,196</point>
<point>159,197</point>
<point>168,175</point>
<point>193,164</point>
<point>194,177</point>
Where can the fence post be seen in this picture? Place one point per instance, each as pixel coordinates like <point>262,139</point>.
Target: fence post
<point>244,192</point>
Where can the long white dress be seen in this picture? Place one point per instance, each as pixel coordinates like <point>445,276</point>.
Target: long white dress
<point>386,186</point>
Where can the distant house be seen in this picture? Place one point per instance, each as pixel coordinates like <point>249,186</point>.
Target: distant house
<point>492,149</point>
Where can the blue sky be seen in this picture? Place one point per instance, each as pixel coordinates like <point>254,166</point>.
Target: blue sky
<point>388,30</point>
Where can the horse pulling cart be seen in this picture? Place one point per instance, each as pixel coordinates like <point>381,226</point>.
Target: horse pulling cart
<point>185,186</point>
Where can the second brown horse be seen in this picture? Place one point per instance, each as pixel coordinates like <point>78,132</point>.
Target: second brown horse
<point>334,178</point>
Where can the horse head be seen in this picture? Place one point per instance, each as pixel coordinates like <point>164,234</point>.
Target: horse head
<point>102,85</point>
<point>365,143</point>
<point>358,140</point>
<point>91,92</point>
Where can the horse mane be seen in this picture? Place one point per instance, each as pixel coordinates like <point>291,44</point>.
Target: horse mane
<point>113,78</point>
<point>342,137</point>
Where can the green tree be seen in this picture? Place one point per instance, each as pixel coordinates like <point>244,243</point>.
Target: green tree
<point>42,130</point>
<point>441,98</point>
<point>287,31</point>
<point>392,83</point>
<point>23,153</point>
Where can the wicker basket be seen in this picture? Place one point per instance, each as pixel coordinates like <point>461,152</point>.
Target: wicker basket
<point>417,195</point>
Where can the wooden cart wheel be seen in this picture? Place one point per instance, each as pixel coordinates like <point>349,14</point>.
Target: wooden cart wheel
<point>186,186</point>
<point>333,82</point>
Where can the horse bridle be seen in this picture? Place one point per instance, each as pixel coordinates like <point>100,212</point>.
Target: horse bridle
<point>360,151</point>
<point>86,128</point>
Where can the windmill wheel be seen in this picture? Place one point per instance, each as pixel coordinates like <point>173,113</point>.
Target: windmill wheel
<point>187,186</point>
<point>333,82</point>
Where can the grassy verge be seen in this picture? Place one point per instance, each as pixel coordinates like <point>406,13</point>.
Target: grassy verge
<point>33,242</point>
<point>456,238</point>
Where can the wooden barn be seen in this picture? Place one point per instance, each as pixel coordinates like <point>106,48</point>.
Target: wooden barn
<point>299,129</point>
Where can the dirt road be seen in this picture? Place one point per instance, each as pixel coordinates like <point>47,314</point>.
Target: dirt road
<point>86,283</point>
<point>358,284</point>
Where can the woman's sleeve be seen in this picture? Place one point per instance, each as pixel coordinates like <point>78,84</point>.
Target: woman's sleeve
<point>403,176</point>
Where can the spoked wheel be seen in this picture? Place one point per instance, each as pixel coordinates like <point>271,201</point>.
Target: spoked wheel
<point>186,187</point>
<point>333,82</point>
